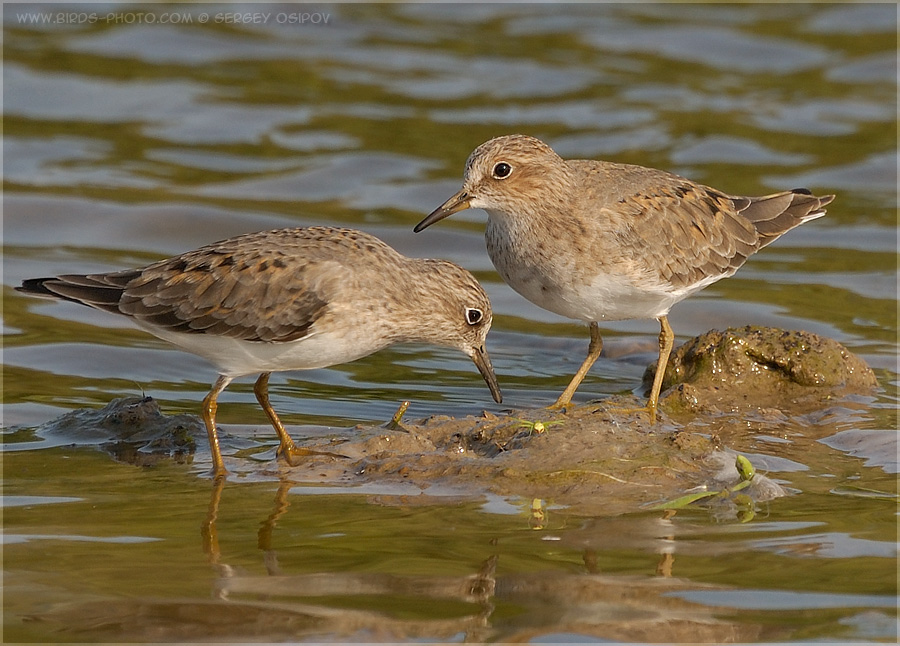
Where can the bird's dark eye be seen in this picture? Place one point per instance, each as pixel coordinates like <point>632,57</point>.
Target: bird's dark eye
<point>502,170</point>
<point>473,315</point>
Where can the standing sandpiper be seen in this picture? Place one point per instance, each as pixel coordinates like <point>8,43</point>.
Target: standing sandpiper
<point>598,241</point>
<point>290,299</point>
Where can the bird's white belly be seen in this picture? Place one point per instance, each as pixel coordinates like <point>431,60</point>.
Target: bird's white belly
<point>236,357</point>
<point>605,298</point>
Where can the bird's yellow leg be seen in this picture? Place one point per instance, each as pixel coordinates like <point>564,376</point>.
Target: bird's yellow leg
<point>594,350</point>
<point>666,341</point>
<point>208,412</point>
<point>286,447</point>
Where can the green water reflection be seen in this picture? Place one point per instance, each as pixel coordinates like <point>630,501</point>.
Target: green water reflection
<point>151,548</point>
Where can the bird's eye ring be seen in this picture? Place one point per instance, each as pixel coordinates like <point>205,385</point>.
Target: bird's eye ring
<point>502,170</point>
<point>473,315</point>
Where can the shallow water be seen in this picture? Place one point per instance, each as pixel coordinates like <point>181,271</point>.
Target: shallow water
<point>130,138</point>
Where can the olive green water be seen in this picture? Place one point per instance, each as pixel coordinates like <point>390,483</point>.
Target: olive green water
<point>140,132</point>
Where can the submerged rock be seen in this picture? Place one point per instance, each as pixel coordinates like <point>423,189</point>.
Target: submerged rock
<point>131,429</point>
<point>760,367</point>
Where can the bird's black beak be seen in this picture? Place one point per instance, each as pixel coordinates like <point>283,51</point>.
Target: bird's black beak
<point>483,363</point>
<point>459,202</point>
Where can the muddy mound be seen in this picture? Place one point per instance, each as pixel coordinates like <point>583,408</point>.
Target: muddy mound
<point>753,367</point>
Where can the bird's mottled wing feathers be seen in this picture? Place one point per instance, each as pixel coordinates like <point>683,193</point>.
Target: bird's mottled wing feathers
<point>262,287</point>
<point>690,232</point>
<point>271,286</point>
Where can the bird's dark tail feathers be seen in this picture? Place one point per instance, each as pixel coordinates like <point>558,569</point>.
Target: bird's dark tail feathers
<point>775,214</point>
<point>94,291</point>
